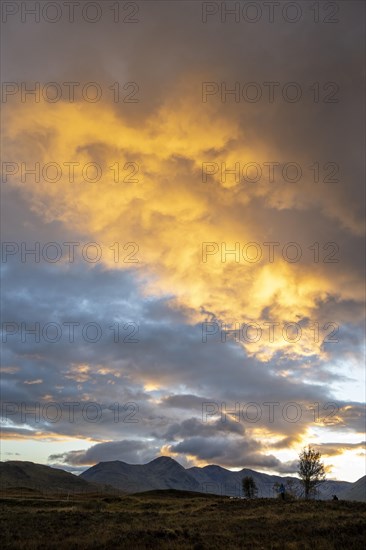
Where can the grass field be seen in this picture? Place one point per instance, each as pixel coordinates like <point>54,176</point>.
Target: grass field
<point>174,520</point>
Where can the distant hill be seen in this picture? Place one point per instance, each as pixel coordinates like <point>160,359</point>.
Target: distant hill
<point>28,475</point>
<point>357,491</point>
<point>166,473</point>
<point>161,473</point>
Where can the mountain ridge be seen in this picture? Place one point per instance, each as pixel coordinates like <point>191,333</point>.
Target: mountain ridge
<point>30,475</point>
<point>166,473</point>
<point>161,473</point>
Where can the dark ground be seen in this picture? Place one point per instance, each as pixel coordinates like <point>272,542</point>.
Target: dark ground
<point>176,520</point>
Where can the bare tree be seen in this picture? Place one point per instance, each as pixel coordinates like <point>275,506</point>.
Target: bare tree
<point>311,470</point>
<point>249,487</point>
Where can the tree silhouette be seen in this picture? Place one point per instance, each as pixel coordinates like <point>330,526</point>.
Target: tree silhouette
<point>311,470</point>
<point>249,487</point>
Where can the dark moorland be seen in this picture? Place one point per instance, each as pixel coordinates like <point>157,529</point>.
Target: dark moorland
<point>176,520</point>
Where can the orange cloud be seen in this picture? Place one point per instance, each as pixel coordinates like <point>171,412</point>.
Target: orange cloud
<point>169,212</point>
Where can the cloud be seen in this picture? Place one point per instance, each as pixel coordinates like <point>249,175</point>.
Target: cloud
<point>170,204</point>
<point>171,374</point>
<point>182,401</point>
<point>335,449</point>
<point>131,451</point>
<point>230,453</point>
<point>195,427</point>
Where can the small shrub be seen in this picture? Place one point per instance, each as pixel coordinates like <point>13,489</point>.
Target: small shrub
<point>93,505</point>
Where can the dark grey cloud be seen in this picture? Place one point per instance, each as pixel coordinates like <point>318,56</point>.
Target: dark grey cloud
<point>195,427</point>
<point>131,451</point>
<point>231,453</point>
<point>183,401</point>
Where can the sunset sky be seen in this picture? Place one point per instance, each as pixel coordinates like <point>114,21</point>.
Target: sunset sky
<point>182,173</point>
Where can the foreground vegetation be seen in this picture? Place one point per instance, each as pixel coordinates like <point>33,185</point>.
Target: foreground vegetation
<point>177,520</point>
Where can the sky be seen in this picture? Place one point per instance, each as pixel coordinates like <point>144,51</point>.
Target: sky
<point>183,255</point>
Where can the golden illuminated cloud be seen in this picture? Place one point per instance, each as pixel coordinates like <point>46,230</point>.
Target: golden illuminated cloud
<point>168,210</point>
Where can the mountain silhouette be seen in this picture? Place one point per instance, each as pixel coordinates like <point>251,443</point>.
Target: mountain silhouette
<point>165,473</point>
<point>29,475</point>
<point>162,473</point>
